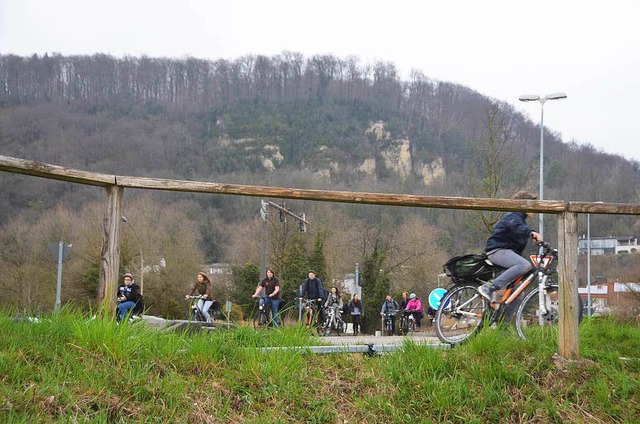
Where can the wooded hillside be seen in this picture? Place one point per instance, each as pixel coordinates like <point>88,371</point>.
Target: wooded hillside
<point>290,121</point>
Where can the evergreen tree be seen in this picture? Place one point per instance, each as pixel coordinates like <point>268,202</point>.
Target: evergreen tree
<point>293,269</point>
<point>375,284</point>
<point>245,279</point>
<point>317,260</point>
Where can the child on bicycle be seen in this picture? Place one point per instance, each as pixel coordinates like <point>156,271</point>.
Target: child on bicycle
<point>505,246</point>
<point>203,287</point>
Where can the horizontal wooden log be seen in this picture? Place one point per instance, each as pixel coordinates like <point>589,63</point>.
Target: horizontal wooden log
<point>344,196</point>
<point>604,208</point>
<point>54,172</point>
<point>45,170</point>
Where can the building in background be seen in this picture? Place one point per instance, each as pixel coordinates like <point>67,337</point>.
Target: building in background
<point>608,245</point>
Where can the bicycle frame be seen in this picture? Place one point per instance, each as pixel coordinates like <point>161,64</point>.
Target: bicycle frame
<point>333,320</point>
<point>312,311</point>
<point>541,271</point>
<point>196,312</point>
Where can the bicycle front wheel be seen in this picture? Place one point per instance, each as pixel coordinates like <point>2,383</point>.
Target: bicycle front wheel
<point>460,314</point>
<point>529,319</point>
<point>404,326</point>
<point>260,321</point>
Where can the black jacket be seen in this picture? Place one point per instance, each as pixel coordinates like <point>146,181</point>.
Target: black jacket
<point>351,307</point>
<point>313,289</point>
<point>511,232</point>
<point>132,293</point>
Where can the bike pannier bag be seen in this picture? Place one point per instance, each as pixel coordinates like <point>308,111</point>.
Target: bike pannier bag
<point>467,266</point>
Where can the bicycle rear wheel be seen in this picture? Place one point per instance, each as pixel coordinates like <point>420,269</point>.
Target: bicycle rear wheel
<point>528,318</point>
<point>460,314</point>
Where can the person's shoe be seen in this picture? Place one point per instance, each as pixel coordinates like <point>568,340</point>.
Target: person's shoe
<point>486,290</point>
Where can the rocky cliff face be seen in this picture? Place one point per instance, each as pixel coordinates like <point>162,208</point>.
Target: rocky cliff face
<point>392,154</point>
<point>397,158</point>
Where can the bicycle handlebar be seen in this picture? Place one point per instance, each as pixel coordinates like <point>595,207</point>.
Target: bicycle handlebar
<point>198,297</point>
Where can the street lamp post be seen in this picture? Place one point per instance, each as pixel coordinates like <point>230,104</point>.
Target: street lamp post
<point>542,100</point>
<point>124,219</point>
<point>589,263</point>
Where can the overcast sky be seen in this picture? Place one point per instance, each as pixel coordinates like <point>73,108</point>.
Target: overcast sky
<point>502,48</point>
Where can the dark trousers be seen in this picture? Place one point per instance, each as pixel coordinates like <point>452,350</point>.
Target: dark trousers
<point>357,327</point>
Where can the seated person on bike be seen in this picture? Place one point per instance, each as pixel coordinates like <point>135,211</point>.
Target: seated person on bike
<point>129,297</point>
<point>390,307</point>
<point>414,306</point>
<point>334,300</point>
<point>203,287</point>
<point>404,301</point>
<point>505,246</point>
<point>271,286</point>
<point>313,289</point>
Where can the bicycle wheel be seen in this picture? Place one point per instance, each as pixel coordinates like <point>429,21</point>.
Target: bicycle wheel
<point>260,321</point>
<point>389,327</point>
<point>326,328</point>
<point>460,314</point>
<point>528,319</point>
<point>319,324</point>
<point>340,327</point>
<point>404,325</point>
<point>308,318</point>
<point>196,315</point>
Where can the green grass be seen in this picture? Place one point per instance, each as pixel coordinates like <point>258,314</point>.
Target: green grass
<point>71,369</point>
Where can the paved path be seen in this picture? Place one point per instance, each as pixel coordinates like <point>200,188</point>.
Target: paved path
<point>426,337</point>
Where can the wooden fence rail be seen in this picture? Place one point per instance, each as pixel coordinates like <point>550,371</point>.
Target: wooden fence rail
<point>115,184</point>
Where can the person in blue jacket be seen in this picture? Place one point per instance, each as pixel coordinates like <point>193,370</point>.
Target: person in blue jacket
<point>505,246</point>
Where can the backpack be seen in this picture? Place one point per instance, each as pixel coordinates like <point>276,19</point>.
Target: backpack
<point>468,266</point>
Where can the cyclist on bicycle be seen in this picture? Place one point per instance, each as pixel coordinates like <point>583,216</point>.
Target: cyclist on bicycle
<point>414,306</point>
<point>334,300</point>
<point>203,287</point>
<point>271,286</point>
<point>313,289</point>
<point>505,246</point>
<point>390,308</point>
<point>404,301</point>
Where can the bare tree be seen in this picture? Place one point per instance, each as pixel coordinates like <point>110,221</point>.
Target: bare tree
<point>495,172</point>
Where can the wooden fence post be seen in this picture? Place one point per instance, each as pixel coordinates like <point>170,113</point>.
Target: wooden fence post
<point>110,258</point>
<point>568,346</point>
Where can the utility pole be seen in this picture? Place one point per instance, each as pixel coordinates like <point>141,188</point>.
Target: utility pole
<point>264,215</point>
